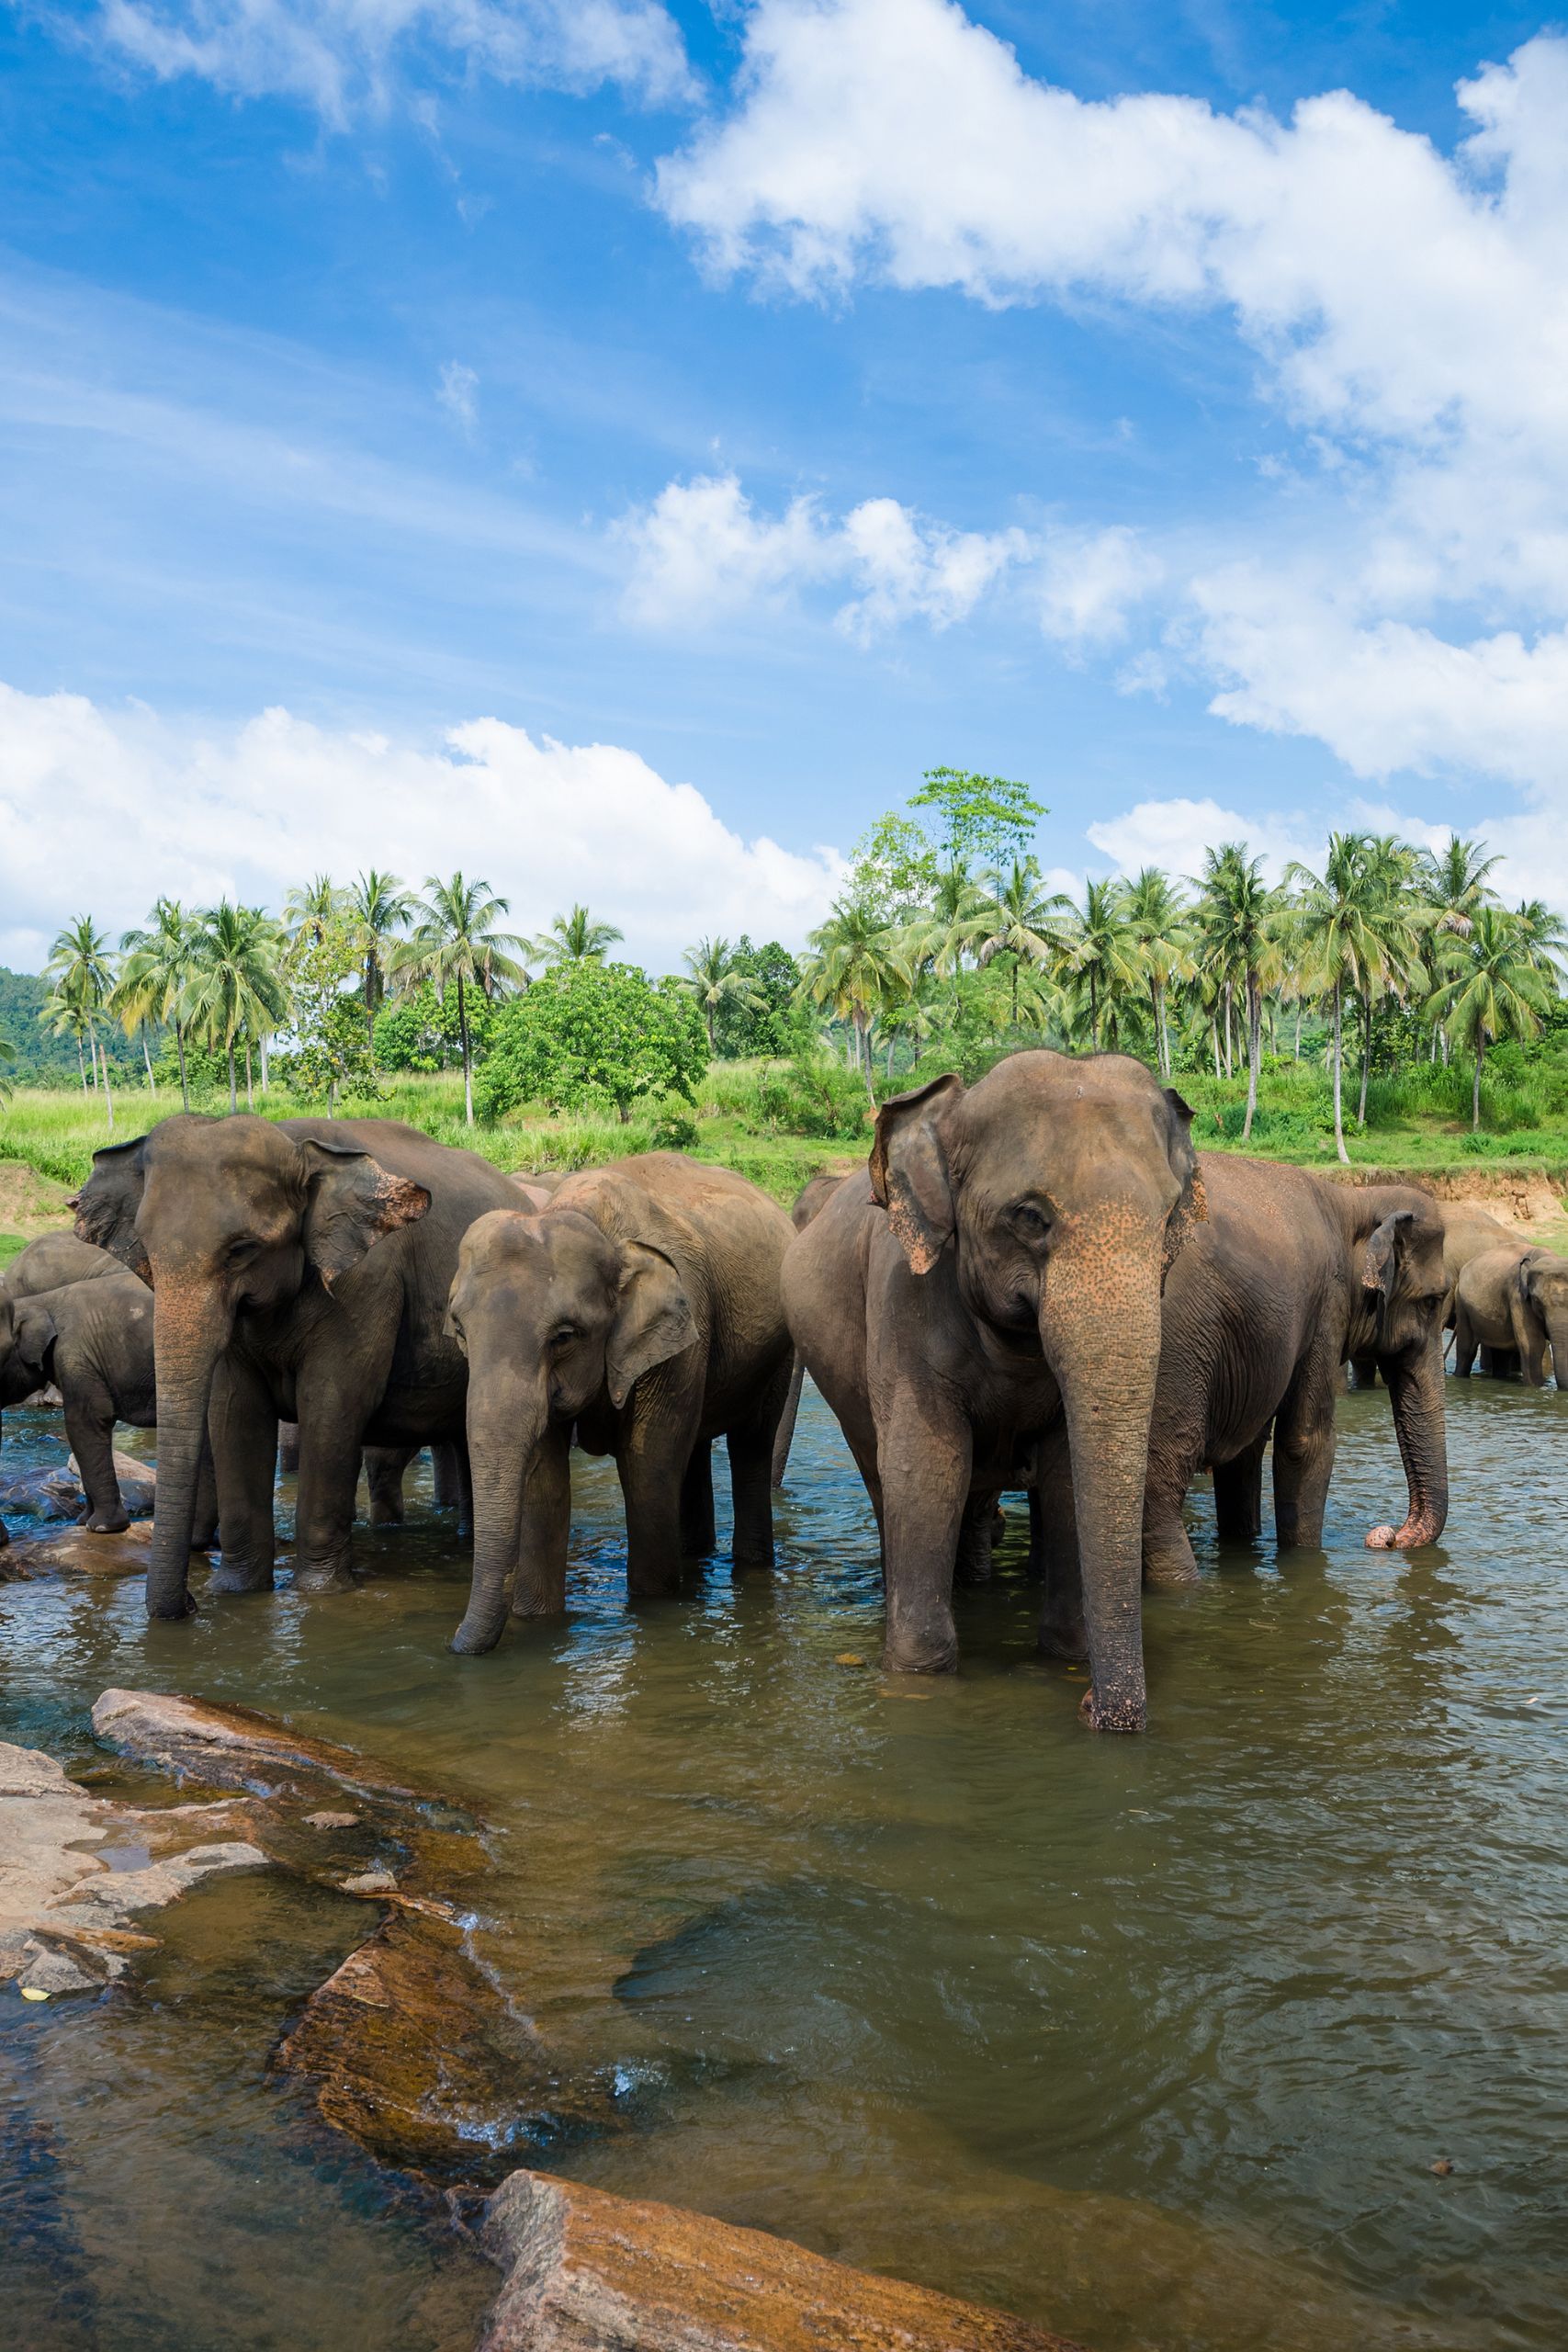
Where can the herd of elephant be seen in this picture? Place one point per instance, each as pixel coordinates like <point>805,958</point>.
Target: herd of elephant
<point>1034,1284</point>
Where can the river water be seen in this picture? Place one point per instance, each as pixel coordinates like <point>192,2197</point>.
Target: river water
<point>1155,2039</point>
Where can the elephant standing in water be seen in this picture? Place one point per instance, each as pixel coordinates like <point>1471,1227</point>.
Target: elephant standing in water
<point>1289,1278</point>
<point>809,1201</point>
<point>638,1308</point>
<point>299,1272</point>
<point>51,1263</point>
<point>1514,1298</point>
<point>1002,1266</point>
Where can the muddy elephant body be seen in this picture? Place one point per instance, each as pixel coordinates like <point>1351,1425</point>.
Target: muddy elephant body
<point>1514,1298</point>
<point>299,1273</point>
<point>956,1301</point>
<point>1290,1278</point>
<point>639,1308</point>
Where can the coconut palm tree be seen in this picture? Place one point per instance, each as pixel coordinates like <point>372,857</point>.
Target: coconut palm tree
<point>7,1057</point>
<point>456,943</point>
<point>81,964</point>
<point>715,979</point>
<point>154,966</point>
<point>859,964</point>
<point>1493,985</point>
<point>576,938</point>
<point>1021,920</point>
<point>1237,912</point>
<point>1158,917</point>
<point>310,908</point>
<point>235,989</point>
<point>1355,940</point>
<point>1101,956</point>
<point>380,909</point>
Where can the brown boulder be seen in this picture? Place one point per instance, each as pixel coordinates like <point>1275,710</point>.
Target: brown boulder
<point>586,2272</point>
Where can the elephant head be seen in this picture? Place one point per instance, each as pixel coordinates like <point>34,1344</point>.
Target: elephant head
<point>551,1312</point>
<point>1537,1306</point>
<point>1404,1289</point>
<point>27,1334</point>
<point>1065,1189</point>
<point>218,1215</point>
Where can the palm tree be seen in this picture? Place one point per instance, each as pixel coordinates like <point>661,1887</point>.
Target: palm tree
<point>1354,938</point>
<point>154,966</point>
<point>1021,920</point>
<point>717,981</point>
<point>455,942</point>
<point>1155,912</point>
<point>81,964</point>
<point>1495,985</point>
<point>380,909</point>
<point>7,1055</point>
<point>233,990</point>
<point>576,938</point>
<point>859,964</point>
<point>310,908</point>
<point>1236,910</point>
<point>1103,955</point>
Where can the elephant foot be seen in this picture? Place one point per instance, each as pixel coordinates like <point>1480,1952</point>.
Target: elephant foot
<point>1063,1639</point>
<point>383,1515</point>
<point>236,1578</point>
<point>937,1657</point>
<point>754,1556</point>
<point>106,1522</point>
<point>1128,1712</point>
<point>172,1611</point>
<point>1425,1529</point>
<point>474,1644</point>
<point>323,1576</point>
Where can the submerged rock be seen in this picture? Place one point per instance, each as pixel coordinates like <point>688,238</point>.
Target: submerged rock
<point>56,1491</point>
<point>65,1911</point>
<point>586,2272</point>
<point>79,1552</point>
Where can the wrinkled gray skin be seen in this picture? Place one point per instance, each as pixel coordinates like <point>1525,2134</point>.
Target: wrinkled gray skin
<point>299,1272</point>
<point>93,1340</point>
<point>809,1201</point>
<point>1514,1298</point>
<point>53,1261</point>
<point>384,1469</point>
<point>640,1307</point>
<point>1288,1278</point>
<point>1000,1265</point>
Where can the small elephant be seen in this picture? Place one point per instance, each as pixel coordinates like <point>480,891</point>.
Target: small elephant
<point>638,1308</point>
<point>1514,1298</point>
<point>93,1340</point>
<point>51,1263</point>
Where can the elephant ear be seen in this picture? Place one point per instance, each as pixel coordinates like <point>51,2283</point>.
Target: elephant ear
<point>353,1202</point>
<point>909,1173</point>
<point>1192,1208</point>
<point>653,1319</point>
<point>33,1333</point>
<point>1386,1245</point>
<point>107,1202</point>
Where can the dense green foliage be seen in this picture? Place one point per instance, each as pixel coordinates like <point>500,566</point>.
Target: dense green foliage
<point>591,1034</point>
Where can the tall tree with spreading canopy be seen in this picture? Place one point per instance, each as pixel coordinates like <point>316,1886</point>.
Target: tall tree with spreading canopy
<point>155,968</point>
<point>234,993</point>
<point>457,942</point>
<point>81,967</point>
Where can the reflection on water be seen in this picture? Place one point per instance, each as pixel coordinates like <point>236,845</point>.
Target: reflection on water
<point>1155,2039</point>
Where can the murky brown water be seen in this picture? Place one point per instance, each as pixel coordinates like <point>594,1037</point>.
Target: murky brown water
<point>1155,2039</point>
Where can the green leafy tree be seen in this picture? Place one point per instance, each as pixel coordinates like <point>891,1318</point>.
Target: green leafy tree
<point>154,966</point>
<point>82,968</point>
<point>892,870</point>
<point>575,938</point>
<point>310,908</point>
<point>456,943</point>
<point>234,993</point>
<point>1102,958</point>
<point>590,1032</point>
<point>714,979</point>
<point>327,1014</point>
<point>1495,985</point>
<point>380,909</point>
<point>770,1020</point>
<point>1238,913</point>
<point>7,1062</point>
<point>985,819</point>
<point>859,966</point>
<point>1157,917</point>
<point>418,1029</point>
<point>1027,924</point>
<point>1345,932</point>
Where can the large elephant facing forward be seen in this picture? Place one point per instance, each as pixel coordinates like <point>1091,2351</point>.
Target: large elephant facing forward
<point>1004,1263</point>
<point>299,1272</point>
<point>1515,1298</point>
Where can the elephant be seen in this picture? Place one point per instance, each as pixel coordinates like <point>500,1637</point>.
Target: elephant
<point>385,1466</point>
<point>1000,1265</point>
<point>812,1198</point>
<point>1290,1278</point>
<point>1514,1298</point>
<point>639,1308</point>
<point>299,1272</point>
<point>93,1340</point>
<point>53,1261</point>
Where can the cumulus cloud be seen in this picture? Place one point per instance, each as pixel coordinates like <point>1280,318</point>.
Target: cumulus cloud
<point>1175,833</point>
<point>159,805</point>
<point>702,551</point>
<point>1409,310</point>
<point>1092,581</point>
<point>343,57</point>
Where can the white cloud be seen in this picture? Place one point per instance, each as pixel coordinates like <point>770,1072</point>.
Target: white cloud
<point>1410,309</point>
<point>343,57</point>
<point>457,392</point>
<point>702,551</point>
<point>154,804</point>
<point>1092,580</point>
<point>1175,833</point>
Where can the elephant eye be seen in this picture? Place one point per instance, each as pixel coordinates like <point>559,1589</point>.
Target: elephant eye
<point>563,1334</point>
<point>240,1252</point>
<point>1030,1222</point>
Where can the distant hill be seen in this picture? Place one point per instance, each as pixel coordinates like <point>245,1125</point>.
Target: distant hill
<point>40,1057</point>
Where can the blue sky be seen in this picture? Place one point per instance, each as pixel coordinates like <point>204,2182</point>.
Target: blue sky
<point>617,448</point>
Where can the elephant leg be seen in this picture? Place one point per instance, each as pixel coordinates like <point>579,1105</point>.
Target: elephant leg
<point>1464,1343</point>
<point>750,1451</point>
<point>89,1426</point>
<point>1364,1371</point>
<point>330,1430</point>
<point>785,1436</point>
<point>447,1475</point>
<point>204,1521</point>
<point>1034,1563</point>
<point>977,1533</point>
<point>289,1447</point>
<point>1053,1550</point>
<point>242,1440</point>
<point>1304,1459</point>
<point>697,1535</point>
<point>544,1530</point>
<point>655,1446</point>
<point>384,1468</point>
<point>1238,1494</point>
<point>925,1456</point>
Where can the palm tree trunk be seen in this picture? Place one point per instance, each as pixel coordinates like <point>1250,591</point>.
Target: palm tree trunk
<point>1014,992</point>
<point>151,1082</point>
<point>370,1007</point>
<point>713,1048</point>
<point>250,1088</point>
<point>1230,1059</point>
<point>863,1042</point>
<point>1297,1028</point>
<point>1366,1062</point>
<point>467,1060</point>
<point>1215,1039</point>
<point>1254,1040</point>
<point>262,1048</point>
<point>1093,1011</point>
<point>233,1096</point>
<point>1475,1087</point>
<point>81,1063</point>
<point>180,1052</point>
<point>1338,1076</point>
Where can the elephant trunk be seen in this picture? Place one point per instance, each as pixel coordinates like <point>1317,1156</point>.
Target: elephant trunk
<point>1101,1337</point>
<point>1557,1339</point>
<point>503,1448</point>
<point>189,1333</point>
<point>1415,1393</point>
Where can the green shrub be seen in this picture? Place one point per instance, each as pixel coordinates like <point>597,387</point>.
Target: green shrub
<point>590,1035</point>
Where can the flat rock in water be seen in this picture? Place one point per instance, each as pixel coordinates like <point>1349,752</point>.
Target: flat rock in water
<point>56,1492</point>
<point>586,2272</point>
<point>79,1552</point>
<point>67,1913</point>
